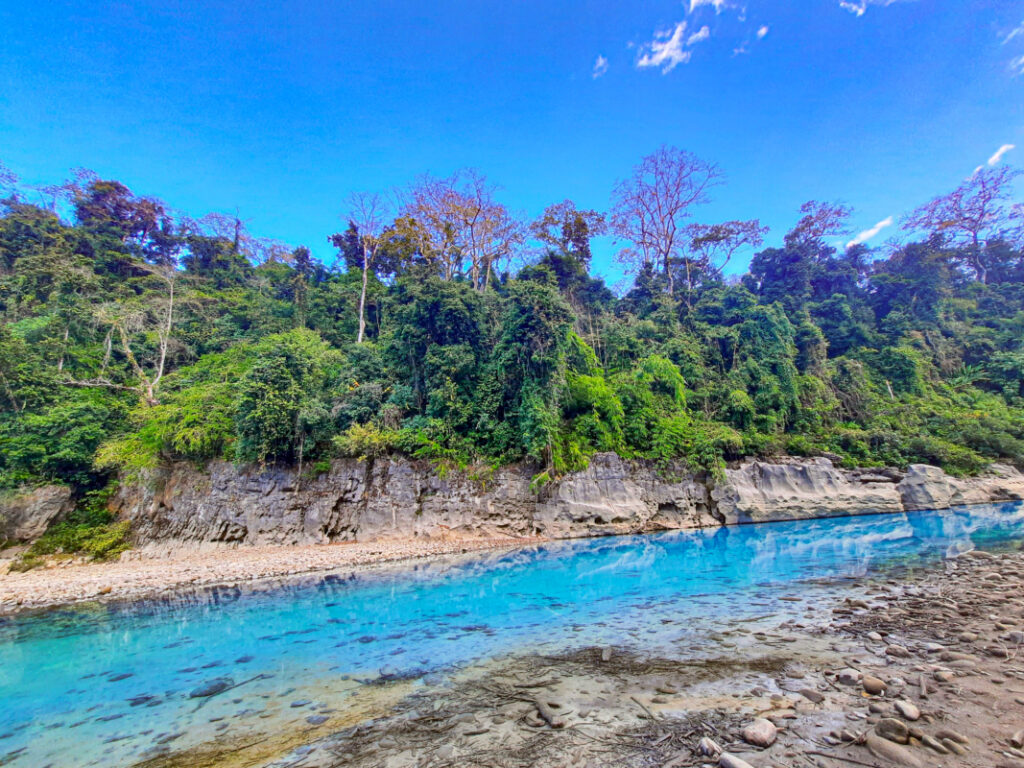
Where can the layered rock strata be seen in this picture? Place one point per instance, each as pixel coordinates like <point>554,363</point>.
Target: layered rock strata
<point>395,497</point>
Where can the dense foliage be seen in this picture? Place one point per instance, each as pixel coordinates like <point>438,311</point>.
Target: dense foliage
<point>131,336</point>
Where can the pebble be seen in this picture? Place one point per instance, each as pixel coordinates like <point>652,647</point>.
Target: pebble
<point>892,729</point>
<point>849,676</point>
<point>760,733</point>
<point>873,685</point>
<point>725,760</point>
<point>934,744</point>
<point>811,695</point>
<point>708,747</point>
<point>953,746</point>
<point>887,750</point>
<point>907,710</point>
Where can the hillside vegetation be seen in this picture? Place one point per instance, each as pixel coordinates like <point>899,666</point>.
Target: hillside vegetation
<point>449,330</point>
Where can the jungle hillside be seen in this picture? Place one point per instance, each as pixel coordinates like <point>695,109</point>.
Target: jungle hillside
<point>450,328</point>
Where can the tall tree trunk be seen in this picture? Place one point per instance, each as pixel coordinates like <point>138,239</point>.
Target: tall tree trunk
<point>362,298</point>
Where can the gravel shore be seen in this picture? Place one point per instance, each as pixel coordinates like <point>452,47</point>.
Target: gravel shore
<point>137,576</point>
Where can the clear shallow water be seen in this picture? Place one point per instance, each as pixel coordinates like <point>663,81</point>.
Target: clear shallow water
<point>74,682</point>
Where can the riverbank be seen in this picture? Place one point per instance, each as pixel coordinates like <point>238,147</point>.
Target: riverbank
<point>137,577</point>
<point>921,670</point>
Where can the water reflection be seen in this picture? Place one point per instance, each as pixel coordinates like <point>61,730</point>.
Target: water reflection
<point>111,681</point>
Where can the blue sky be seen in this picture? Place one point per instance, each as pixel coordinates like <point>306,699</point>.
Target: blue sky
<point>281,109</point>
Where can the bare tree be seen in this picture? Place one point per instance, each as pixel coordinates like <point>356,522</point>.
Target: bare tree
<point>225,226</point>
<point>367,212</point>
<point>975,213</point>
<point>7,179</point>
<point>820,220</point>
<point>650,207</point>
<point>461,226</point>
<point>713,245</point>
<point>126,320</point>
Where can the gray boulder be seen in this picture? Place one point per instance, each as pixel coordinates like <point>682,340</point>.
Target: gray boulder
<point>25,515</point>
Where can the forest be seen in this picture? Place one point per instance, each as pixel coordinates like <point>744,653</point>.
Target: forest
<point>449,329</point>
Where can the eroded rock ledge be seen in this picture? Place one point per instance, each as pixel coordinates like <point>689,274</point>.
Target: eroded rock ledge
<point>393,497</point>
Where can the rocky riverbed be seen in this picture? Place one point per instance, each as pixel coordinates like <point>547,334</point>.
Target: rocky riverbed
<point>917,669</point>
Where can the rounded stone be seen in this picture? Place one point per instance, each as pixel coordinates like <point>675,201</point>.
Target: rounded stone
<point>873,685</point>
<point>894,730</point>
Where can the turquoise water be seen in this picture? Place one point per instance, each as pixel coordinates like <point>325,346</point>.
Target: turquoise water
<point>110,685</point>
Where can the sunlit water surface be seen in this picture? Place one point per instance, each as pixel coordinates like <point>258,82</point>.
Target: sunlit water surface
<point>112,685</point>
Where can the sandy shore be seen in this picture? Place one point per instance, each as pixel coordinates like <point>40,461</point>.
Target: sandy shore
<point>136,576</point>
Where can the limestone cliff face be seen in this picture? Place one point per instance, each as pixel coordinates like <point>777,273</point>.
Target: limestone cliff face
<point>793,489</point>
<point>926,487</point>
<point>26,515</point>
<point>613,496</point>
<point>398,497</point>
<point>395,497</point>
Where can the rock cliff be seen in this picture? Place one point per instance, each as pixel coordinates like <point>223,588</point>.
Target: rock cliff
<point>26,515</point>
<point>792,489</point>
<point>395,497</point>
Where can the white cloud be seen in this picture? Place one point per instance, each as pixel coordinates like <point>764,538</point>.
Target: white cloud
<point>665,50</point>
<point>762,32</point>
<point>858,7</point>
<point>1017,65</point>
<point>999,153</point>
<point>1018,32</point>
<point>867,234</point>
<point>718,5</point>
<point>600,67</point>
<point>699,36</point>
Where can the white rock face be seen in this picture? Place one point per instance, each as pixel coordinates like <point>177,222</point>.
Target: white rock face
<point>927,487</point>
<point>26,515</point>
<point>759,492</point>
<point>613,495</point>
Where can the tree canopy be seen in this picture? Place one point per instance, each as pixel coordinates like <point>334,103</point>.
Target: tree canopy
<point>450,330</point>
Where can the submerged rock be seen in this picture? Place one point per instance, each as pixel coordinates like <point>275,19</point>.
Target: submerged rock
<point>212,688</point>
